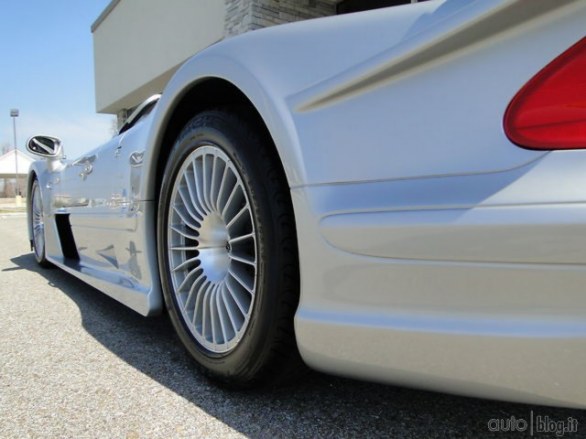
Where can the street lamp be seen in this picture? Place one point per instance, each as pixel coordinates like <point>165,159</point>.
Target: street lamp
<point>14,115</point>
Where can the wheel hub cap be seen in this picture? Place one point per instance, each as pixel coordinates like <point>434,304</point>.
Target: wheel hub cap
<point>214,247</point>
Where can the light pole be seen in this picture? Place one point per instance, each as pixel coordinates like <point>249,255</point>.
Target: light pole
<point>14,115</point>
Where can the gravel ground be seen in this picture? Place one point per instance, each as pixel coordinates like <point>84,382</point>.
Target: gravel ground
<point>76,364</point>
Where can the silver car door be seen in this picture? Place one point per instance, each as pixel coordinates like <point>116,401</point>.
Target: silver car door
<point>87,195</point>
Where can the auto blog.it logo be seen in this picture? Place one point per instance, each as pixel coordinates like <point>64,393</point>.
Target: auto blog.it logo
<point>534,425</point>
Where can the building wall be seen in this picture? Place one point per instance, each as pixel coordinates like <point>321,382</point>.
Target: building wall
<point>8,187</point>
<point>139,44</point>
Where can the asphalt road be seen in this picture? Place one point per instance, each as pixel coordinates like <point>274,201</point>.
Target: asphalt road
<point>76,364</point>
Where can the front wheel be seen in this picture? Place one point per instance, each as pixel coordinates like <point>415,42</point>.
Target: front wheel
<point>37,224</point>
<point>227,251</point>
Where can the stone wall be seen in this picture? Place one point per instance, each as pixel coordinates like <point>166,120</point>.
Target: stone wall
<point>238,18</point>
<point>245,15</point>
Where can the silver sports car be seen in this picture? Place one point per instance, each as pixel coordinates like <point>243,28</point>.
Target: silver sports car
<point>397,195</point>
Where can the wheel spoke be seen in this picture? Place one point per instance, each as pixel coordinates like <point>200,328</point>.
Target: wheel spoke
<point>199,184</point>
<point>221,312</point>
<point>183,232</point>
<point>241,238</point>
<point>240,278</point>
<point>207,181</point>
<point>184,248</point>
<point>237,216</point>
<point>213,312</point>
<point>244,260</point>
<point>229,311</point>
<point>234,296</point>
<point>185,264</point>
<point>204,318</point>
<point>192,292</point>
<point>184,219</point>
<point>214,183</point>
<point>222,186</point>
<point>230,199</point>
<point>188,278</point>
<point>198,309</point>
<point>190,179</point>
<point>189,206</point>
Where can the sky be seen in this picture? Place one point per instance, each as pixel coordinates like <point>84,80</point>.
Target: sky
<point>47,72</point>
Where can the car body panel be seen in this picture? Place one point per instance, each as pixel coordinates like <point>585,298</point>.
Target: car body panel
<point>283,83</point>
<point>466,270</point>
<point>433,252</point>
<point>98,192</point>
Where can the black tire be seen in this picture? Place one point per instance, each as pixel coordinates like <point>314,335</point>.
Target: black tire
<point>266,353</point>
<point>38,241</point>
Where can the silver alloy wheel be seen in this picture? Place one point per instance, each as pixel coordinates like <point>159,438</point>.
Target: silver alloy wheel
<point>212,249</point>
<point>38,223</point>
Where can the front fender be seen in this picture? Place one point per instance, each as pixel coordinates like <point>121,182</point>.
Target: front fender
<point>268,102</point>
<point>45,172</point>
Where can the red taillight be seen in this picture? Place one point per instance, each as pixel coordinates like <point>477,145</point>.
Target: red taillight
<point>549,112</point>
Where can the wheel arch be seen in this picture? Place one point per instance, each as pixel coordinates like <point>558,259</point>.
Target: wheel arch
<point>183,98</point>
<point>218,78</point>
<point>205,94</point>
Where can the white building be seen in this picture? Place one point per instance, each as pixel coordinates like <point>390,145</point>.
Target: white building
<point>139,44</point>
<point>9,168</point>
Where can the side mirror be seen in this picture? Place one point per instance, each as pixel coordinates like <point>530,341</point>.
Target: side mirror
<point>45,146</point>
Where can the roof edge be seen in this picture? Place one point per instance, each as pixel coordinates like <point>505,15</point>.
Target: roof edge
<point>104,14</point>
